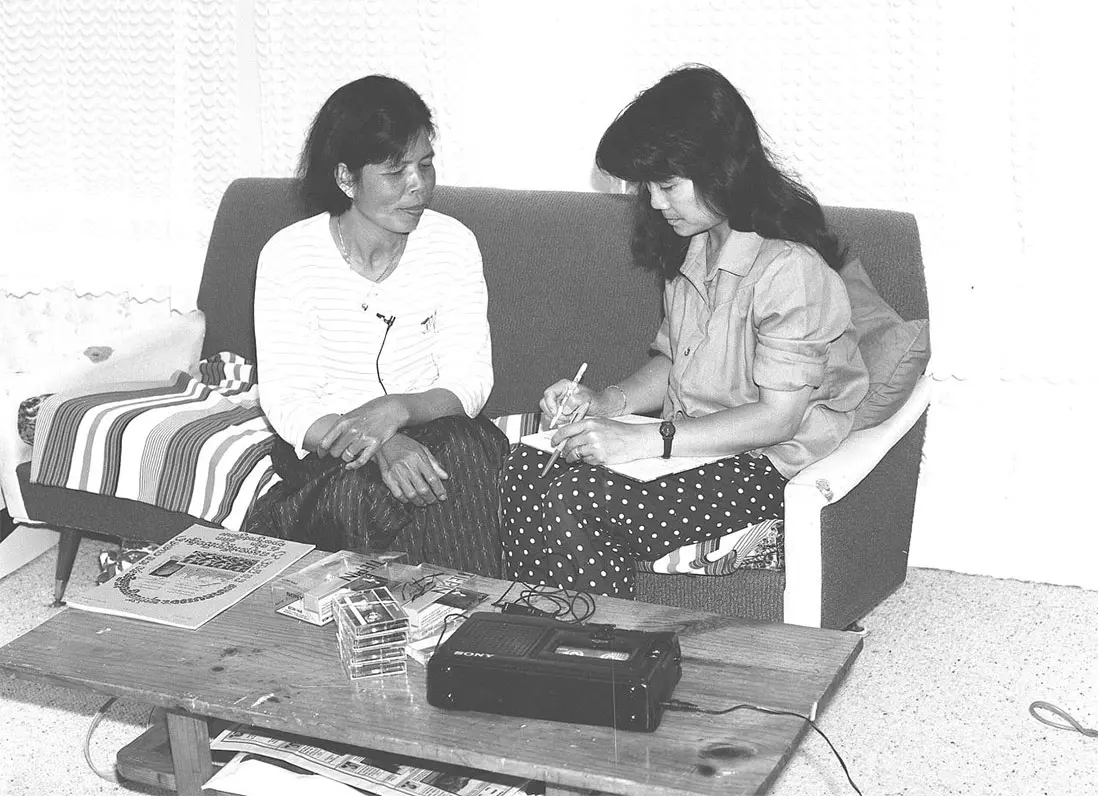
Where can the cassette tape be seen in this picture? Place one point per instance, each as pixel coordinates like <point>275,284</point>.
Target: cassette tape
<point>370,611</point>
<point>384,639</point>
<point>371,669</point>
<point>371,654</point>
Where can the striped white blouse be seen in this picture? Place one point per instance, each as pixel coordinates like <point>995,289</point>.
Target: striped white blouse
<point>323,333</point>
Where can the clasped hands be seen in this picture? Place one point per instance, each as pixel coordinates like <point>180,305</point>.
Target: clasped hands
<point>588,434</point>
<point>372,431</point>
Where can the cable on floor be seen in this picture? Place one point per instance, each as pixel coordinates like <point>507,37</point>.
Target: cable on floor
<point>1070,723</point>
<point>690,707</point>
<point>98,717</point>
<point>109,776</point>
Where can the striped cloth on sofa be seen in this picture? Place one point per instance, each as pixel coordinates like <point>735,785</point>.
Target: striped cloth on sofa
<point>194,444</point>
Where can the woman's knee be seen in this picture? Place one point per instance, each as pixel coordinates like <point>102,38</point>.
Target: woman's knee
<point>463,436</point>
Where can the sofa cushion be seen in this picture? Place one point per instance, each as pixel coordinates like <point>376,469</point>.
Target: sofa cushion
<point>895,351</point>
<point>104,515</point>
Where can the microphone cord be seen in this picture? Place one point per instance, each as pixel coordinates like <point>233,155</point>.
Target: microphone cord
<point>388,321</point>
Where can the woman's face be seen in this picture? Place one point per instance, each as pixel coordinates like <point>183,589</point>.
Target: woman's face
<point>681,206</point>
<point>392,196</point>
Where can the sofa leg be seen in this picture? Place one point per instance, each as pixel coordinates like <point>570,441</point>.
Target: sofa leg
<point>856,627</point>
<point>67,546</point>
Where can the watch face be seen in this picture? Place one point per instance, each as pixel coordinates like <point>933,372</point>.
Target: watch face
<point>667,429</point>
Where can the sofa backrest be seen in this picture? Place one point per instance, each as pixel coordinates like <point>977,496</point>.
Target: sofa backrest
<point>562,287</point>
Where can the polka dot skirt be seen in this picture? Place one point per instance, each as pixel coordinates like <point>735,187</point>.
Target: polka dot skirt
<point>583,527</point>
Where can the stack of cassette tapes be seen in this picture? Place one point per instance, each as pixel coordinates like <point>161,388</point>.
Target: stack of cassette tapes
<point>372,630</point>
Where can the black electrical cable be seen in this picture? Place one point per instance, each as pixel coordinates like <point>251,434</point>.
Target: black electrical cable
<point>100,713</point>
<point>460,616</point>
<point>690,707</point>
<point>551,602</point>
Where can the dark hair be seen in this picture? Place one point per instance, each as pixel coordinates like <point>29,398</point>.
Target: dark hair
<point>694,124</point>
<point>374,119</point>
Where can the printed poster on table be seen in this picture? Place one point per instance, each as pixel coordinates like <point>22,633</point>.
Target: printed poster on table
<point>193,577</point>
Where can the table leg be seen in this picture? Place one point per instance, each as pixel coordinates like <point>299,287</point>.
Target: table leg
<point>189,736</point>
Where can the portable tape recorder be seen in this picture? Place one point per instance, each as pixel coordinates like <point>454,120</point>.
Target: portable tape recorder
<point>544,669</point>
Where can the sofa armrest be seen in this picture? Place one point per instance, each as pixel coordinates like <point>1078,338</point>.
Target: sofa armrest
<point>835,475</point>
<point>827,481</point>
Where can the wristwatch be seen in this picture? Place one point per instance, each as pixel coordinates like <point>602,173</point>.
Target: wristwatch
<point>667,431</point>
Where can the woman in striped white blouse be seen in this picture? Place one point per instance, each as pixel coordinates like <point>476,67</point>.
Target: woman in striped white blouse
<point>373,347</point>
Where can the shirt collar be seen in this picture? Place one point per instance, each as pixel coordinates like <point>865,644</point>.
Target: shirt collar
<point>737,256</point>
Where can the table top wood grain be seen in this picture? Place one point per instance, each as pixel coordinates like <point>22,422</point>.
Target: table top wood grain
<point>254,666</point>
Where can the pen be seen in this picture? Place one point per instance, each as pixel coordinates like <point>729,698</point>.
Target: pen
<point>567,394</point>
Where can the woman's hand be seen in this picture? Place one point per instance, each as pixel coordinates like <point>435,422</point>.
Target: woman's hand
<point>554,395</point>
<point>411,471</point>
<point>604,441</point>
<point>600,404</point>
<point>356,436</point>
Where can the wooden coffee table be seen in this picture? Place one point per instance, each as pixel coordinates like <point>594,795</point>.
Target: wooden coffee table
<point>253,666</point>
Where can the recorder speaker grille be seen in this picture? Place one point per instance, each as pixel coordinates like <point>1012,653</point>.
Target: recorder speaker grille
<point>510,640</point>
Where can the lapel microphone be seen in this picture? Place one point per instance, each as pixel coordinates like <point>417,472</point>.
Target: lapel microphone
<point>388,320</point>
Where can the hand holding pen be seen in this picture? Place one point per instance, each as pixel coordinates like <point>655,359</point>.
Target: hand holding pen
<point>569,392</point>
<point>577,416</point>
<point>564,399</point>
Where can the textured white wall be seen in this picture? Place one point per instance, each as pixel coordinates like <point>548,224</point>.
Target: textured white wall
<point>122,122</point>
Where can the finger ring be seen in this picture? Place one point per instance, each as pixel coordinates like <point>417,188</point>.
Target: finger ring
<point>348,455</point>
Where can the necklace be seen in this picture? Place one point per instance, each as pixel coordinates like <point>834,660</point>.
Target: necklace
<point>342,246</point>
<point>346,254</point>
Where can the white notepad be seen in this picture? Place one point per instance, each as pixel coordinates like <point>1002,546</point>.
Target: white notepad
<point>638,469</point>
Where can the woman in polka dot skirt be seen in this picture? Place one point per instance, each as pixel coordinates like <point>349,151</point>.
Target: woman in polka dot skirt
<point>756,359</point>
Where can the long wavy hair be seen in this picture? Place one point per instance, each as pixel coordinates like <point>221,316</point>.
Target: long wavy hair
<point>694,124</point>
<point>374,119</point>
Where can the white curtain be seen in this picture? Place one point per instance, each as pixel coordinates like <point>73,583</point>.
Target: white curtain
<point>122,122</point>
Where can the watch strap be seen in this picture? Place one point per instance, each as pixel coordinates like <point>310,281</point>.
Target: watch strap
<point>667,431</point>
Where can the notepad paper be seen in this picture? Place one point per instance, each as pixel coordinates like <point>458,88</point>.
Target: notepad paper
<point>639,469</point>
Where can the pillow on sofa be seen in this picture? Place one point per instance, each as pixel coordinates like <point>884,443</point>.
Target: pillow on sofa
<point>28,416</point>
<point>895,351</point>
<point>759,546</point>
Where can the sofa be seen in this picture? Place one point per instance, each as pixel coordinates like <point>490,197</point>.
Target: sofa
<point>563,290</point>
